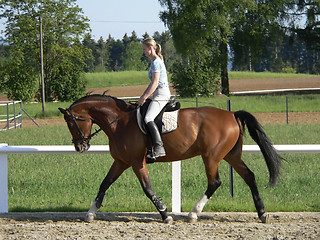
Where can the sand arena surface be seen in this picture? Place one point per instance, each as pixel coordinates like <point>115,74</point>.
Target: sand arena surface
<point>149,226</point>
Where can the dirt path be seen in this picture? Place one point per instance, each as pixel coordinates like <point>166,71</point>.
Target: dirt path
<point>273,83</point>
<point>148,226</point>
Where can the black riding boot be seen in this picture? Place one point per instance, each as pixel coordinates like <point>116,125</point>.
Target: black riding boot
<point>156,139</point>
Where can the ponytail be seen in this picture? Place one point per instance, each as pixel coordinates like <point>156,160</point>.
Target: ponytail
<point>158,51</point>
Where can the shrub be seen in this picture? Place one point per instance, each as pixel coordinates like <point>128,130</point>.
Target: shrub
<point>198,77</point>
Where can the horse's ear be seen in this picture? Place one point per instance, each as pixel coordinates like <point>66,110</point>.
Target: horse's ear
<point>63,111</point>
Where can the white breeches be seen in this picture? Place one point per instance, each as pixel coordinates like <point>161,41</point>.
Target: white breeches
<point>155,108</point>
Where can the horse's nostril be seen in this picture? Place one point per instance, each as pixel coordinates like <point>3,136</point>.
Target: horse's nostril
<point>77,148</point>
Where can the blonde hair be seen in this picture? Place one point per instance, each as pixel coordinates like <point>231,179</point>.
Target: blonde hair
<point>150,42</point>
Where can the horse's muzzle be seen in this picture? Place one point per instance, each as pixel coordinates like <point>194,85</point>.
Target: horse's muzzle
<point>82,147</point>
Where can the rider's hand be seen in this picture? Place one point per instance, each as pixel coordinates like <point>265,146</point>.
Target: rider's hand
<point>141,100</point>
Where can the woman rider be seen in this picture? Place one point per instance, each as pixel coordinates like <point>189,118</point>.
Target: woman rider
<point>158,90</point>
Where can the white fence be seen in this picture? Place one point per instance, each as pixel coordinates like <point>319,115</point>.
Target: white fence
<point>176,166</point>
<point>13,116</point>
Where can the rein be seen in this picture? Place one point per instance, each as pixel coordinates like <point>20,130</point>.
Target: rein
<point>75,118</point>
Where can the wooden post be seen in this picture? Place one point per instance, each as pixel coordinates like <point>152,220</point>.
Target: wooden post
<point>42,74</point>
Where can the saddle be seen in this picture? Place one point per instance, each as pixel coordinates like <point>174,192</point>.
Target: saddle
<point>166,121</point>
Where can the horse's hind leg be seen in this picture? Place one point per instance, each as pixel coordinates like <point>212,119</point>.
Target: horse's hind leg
<point>213,184</point>
<point>248,176</point>
<point>115,171</point>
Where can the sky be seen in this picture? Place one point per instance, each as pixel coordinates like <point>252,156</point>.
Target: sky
<point>121,16</point>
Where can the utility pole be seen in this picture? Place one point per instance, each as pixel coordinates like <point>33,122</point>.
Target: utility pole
<point>42,74</point>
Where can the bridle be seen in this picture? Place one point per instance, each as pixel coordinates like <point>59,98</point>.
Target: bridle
<point>82,138</point>
<point>74,120</point>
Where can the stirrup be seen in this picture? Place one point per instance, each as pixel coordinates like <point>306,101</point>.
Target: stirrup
<point>150,156</point>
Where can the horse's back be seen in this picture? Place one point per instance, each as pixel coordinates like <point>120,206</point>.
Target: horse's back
<point>209,116</point>
<point>202,130</point>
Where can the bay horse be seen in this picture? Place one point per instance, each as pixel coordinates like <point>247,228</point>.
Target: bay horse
<point>213,133</point>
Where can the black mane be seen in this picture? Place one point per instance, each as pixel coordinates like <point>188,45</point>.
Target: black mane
<point>121,103</point>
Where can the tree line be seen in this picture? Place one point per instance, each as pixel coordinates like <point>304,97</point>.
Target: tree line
<point>204,41</point>
<point>126,54</point>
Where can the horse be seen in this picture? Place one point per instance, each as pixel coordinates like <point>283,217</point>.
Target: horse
<point>213,133</point>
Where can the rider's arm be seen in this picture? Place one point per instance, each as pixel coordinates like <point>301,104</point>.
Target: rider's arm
<point>151,88</point>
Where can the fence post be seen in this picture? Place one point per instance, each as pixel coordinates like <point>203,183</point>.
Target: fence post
<point>20,113</point>
<point>176,187</point>
<point>14,114</point>
<point>3,180</point>
<point>8,116</point>
<point>287,110</point>
<point>230,167</point>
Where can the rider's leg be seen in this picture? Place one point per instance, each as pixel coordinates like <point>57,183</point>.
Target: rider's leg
<point>154,109</point>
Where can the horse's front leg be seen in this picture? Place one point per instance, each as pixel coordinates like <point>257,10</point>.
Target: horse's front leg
<point>143,176</point>
<point>115,171</point>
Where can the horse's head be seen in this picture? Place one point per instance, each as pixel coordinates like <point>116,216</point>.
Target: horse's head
<point>80,128</point>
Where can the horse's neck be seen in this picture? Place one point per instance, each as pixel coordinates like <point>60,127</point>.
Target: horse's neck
<point>105,115</point>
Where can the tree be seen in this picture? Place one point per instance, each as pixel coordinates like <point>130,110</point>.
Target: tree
<point>196,78</point>
<point>4,54</point>
<point>257,35</point>
<point>116,48</point>
<point>132,56</point>
<point>89,43</point>
<point>20,80</point>
<point>309,32</point>
<point>200,30</point>
<point>168,50</point>
<point>103,54</point>
<point>63,25</point>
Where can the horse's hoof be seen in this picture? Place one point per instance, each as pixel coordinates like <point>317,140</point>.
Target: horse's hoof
<point>192,217</point>
<point>89,217</point>
<point>169,220</point>
<point>264,218</point>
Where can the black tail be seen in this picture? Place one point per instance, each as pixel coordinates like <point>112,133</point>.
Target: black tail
<point>273,160</point>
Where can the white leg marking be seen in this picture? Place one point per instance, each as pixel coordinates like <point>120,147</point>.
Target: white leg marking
<point>91,214</point>
<point>197,209</point>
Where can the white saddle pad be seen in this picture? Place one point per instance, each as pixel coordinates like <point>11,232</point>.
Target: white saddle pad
<point>169,119</point>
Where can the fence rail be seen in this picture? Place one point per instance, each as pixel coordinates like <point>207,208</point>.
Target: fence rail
<point>13,116</point>
<point>5,150</point>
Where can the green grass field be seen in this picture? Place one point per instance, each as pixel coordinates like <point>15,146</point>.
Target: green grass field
<point>111,79</point>
<point>70,182</point>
